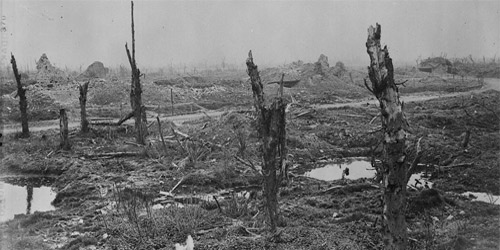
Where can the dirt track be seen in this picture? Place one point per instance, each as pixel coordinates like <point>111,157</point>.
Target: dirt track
<point>490,84</point>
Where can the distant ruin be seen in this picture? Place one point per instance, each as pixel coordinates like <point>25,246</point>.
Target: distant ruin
<point>94,70</point>
<point>322,65</point>
<point>46,72</point>
<point>436,65</point>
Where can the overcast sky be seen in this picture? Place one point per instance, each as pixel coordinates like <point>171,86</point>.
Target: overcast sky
<point>74,33</point>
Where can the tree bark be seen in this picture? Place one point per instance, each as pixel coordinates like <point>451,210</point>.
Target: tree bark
<point>83,106</point>
<point>63,130</point>
<point>271,122</point>
<point>23,104</point>
<point>136,91</point>
<point>394,125</point>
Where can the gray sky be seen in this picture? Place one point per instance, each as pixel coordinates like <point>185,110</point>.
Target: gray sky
<point>75,33</point>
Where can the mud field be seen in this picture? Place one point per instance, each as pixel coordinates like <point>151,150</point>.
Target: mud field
<point>109,193</point>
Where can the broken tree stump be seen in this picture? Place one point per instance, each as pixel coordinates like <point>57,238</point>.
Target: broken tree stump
<point>63,130</point>
<point>135,90</point>
<point>83,104</point>
<point>394,127</point>
<point>23,103</point>
<point>271,123</point>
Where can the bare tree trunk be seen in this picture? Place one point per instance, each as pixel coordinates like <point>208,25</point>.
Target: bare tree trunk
<point>136,91</point>
<point>394,124</point>
<point>271,122</point>
<point>83,106</point>
<point>23,104</point>
<point>63,130</point>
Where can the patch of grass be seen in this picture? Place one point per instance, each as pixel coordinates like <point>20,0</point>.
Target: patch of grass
<point>35,218</point>
<point>80,242</point>
<point>133,224</point>
<point>238,207</point>
<point>27,243</point>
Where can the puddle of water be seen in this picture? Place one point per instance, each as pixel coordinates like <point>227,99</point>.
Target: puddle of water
<point>488,198</point>
<point>358,168</point>
<point>419,181</point>
<point>25,198</point>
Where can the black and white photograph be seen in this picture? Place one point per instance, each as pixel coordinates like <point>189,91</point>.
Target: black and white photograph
<point>238,124</point>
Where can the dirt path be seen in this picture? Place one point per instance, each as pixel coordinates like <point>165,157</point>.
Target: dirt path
<point>489,84</point>
<point>54,124</point>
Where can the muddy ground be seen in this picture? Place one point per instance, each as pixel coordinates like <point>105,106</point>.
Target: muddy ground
<point>153,196</point>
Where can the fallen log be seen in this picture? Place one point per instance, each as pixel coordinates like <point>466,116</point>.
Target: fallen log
<point>112,154</point>
<point>349,188</point>
<point>99,123</point>
<point>447,168</point>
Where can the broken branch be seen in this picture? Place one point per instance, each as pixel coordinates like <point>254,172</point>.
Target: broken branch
<point>248,164</point>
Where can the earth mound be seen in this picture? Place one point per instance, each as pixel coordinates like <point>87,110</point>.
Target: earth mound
<point>94,70</point>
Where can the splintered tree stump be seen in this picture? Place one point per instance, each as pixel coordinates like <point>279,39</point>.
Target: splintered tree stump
<point>83,104</point>
<point>63,130</point>
<point>23,103</point>
<point>136,91</point>
<point>271,122</point>
<point>394,125</point>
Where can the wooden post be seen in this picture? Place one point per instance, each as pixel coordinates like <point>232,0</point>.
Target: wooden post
<point>465,141</point>
<point>271,122</point>
<point>172,101</point>
<point>83,104</point>
<point>23,103</point>
<point>63,130</point>
<point>161,134</point>
<point>394,163</point>
<point>136,91</point>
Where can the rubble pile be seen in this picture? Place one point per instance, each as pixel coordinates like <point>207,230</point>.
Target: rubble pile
<point>47,73</point>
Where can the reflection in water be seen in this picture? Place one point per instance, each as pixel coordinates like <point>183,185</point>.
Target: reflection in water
<point>29,197</point>
<point>24,196</point>
<point>354,169</point>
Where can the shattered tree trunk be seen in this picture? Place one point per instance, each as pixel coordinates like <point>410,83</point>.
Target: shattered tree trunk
<point>271,122</point>
<point>63,130</point>
<point>83,106</point>
<point>394,124</point>
<point>136,91</point>
<point>23,103</point>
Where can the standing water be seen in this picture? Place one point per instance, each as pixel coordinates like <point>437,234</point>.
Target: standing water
<point>359,168</point>
<point>24,196</point>
<point>484,197</point>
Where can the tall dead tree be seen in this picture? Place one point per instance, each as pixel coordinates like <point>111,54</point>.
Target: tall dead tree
<point>394,163</point>
<point>135,90</point>
<point>83,106</point>
<point>271,122</point>
<point>23,103</point>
